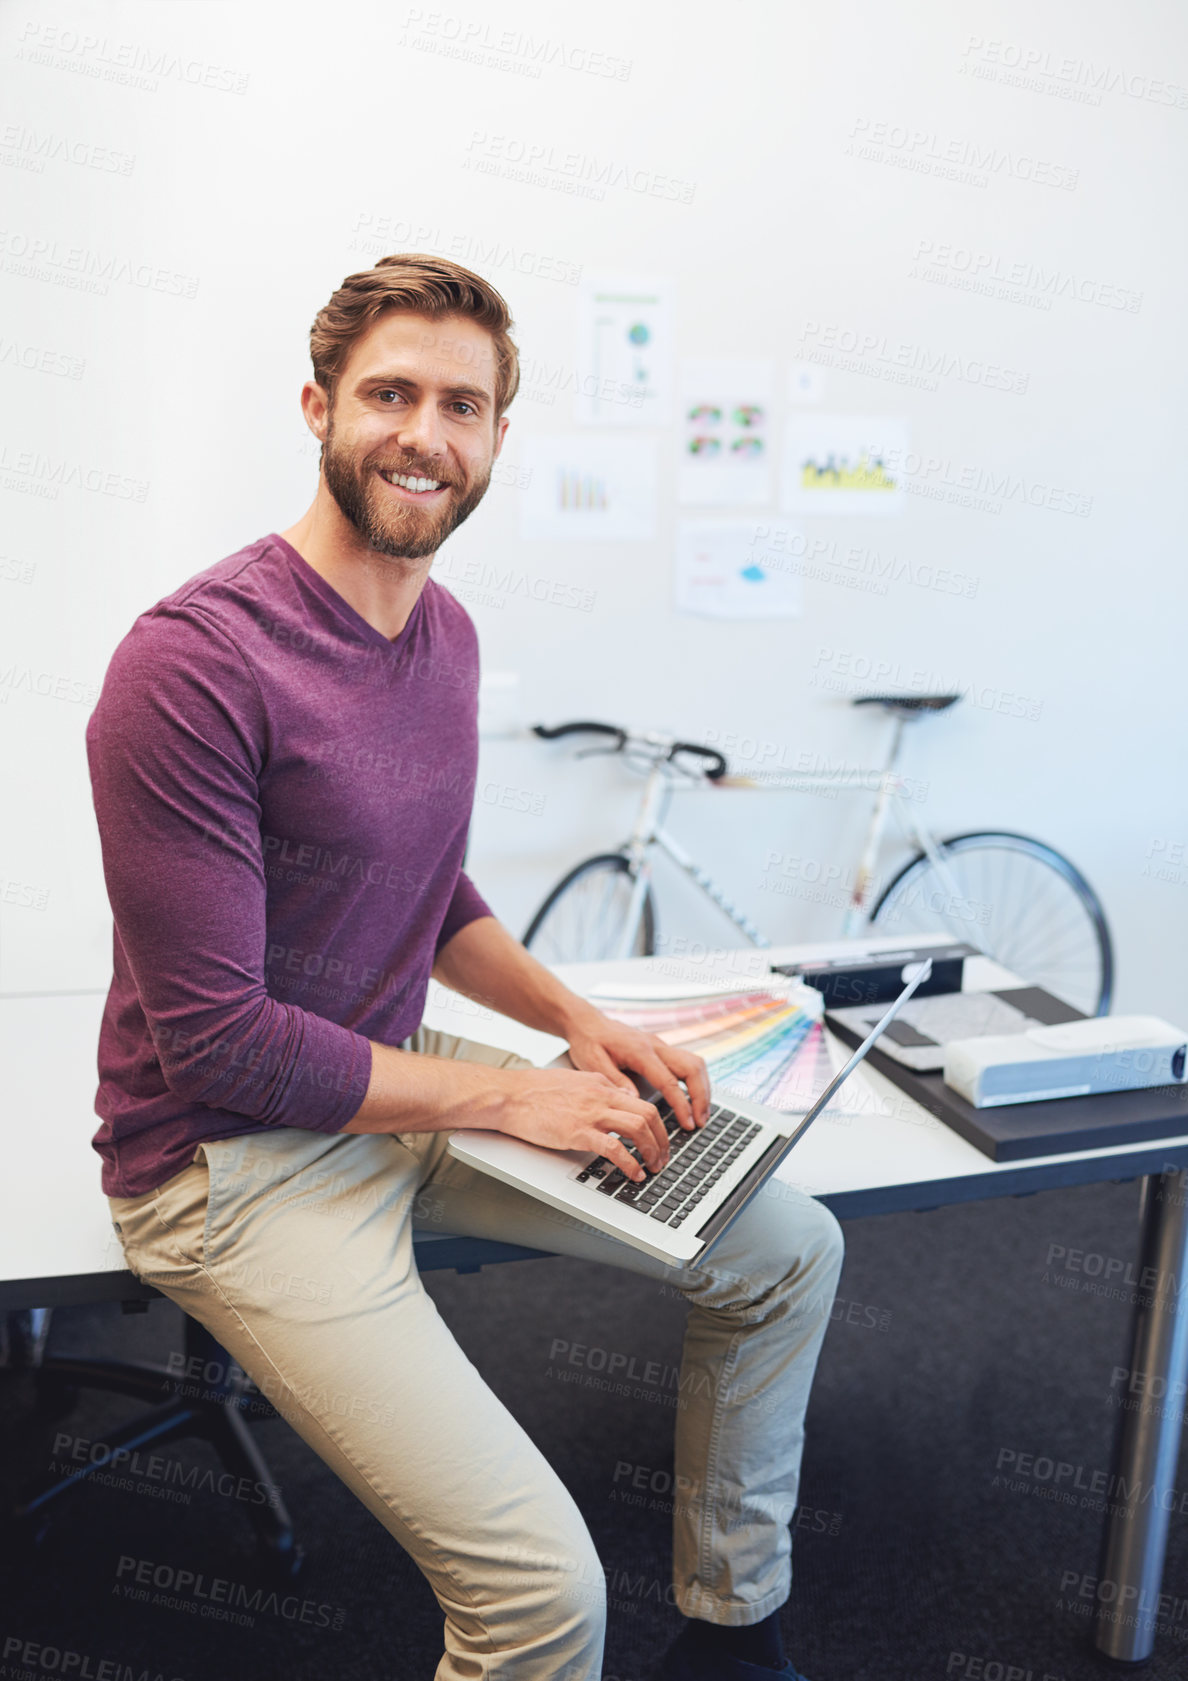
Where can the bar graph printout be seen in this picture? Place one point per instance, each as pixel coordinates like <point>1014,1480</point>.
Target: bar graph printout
<point>845,464</point>
<point>588,486</point>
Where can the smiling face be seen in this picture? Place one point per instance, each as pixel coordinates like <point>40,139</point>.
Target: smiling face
<point>412,433</point>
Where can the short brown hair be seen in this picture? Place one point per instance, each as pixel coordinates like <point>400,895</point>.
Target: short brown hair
<point>424,285</point>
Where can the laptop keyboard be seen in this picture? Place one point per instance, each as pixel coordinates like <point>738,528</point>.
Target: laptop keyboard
<point>697,1161</point>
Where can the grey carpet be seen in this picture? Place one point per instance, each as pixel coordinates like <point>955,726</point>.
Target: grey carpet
<point>956,1344</point>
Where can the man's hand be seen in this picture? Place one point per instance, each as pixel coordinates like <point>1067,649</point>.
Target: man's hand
<point>566,1109</point>
<point>483,961</point>
<point>578,1109</point>
<point>560,1108</point>
<point>608,1047</point>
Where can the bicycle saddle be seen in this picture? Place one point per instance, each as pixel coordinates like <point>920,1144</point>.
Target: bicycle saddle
<point>908,706</point>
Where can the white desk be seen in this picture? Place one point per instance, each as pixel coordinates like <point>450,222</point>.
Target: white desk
<point>879,1153</point>
<point>876,1151</point>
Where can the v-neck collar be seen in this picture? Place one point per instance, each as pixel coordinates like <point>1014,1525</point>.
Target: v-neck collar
<point>340,605</point>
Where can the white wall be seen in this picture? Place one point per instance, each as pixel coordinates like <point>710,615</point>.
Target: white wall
<point>252,145</point>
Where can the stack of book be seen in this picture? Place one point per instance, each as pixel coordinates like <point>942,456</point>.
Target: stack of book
<point>759,1041</point>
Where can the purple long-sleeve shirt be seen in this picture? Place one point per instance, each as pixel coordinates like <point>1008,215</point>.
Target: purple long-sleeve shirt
<point>283,796</point>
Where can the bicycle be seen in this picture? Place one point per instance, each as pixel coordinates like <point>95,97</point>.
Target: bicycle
<point>1013,897</point>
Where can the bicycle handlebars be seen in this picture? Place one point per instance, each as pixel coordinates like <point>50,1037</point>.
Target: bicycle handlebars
<point>713,771</point>
<point>555,731</point>
<point>717,765</point>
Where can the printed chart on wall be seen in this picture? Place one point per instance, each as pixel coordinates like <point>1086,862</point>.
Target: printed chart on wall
<point>585,486</point>
<point>740,570</point>
<point>843,464</point>
<point>725,437</point>
<point>625,351</point>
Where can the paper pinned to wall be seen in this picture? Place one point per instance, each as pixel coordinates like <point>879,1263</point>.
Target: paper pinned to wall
<point>725,431</point>
<point>843,464</point>
<point>736,570</point>
<point>589,487</point>
<point>625,351</point>
<point>806,383</point>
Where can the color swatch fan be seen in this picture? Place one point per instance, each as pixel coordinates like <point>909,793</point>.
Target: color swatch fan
<point>759,1041</point>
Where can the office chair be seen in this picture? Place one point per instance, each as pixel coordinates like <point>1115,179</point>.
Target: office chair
<point>217,1409</point>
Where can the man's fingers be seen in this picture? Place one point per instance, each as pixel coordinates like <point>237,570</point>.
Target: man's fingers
<point>653,1125</point>
<point>653,1068</point>
<point>611,1070</point>
<point>690,1068</point>
<point>642,1124</point>
<point>619,1154</point>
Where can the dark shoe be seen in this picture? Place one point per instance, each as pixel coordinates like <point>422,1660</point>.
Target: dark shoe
<point>726,1669</point>
<point>687,1660</point>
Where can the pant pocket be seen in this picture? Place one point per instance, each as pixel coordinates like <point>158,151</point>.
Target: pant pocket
<point>161,1231</point>
<point>223,1161</point>
<point>126,1218</point>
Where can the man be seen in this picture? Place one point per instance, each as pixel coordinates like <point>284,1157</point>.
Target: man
<point>283,760</point>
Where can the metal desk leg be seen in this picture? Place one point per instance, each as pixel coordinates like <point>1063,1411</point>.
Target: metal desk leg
<point>1147,1441</point>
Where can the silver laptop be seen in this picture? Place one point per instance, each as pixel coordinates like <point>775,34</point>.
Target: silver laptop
<point>712,1173</point>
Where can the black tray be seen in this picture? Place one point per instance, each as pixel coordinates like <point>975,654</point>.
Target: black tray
<point>1017,1131</point>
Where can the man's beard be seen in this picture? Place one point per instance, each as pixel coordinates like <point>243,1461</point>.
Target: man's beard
<point>391,528</point>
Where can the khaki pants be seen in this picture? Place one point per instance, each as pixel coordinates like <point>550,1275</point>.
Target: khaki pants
<point>294,1249</point>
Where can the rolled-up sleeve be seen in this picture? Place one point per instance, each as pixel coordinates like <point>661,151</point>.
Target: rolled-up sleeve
<point>175,748</point>
<point>466,905</point>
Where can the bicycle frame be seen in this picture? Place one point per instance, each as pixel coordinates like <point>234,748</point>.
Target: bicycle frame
<point>887,786</point>
<point>644,836</point>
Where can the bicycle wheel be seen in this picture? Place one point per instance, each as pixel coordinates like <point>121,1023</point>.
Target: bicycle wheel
<point>1021,901</point>
<point>582,919</point>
